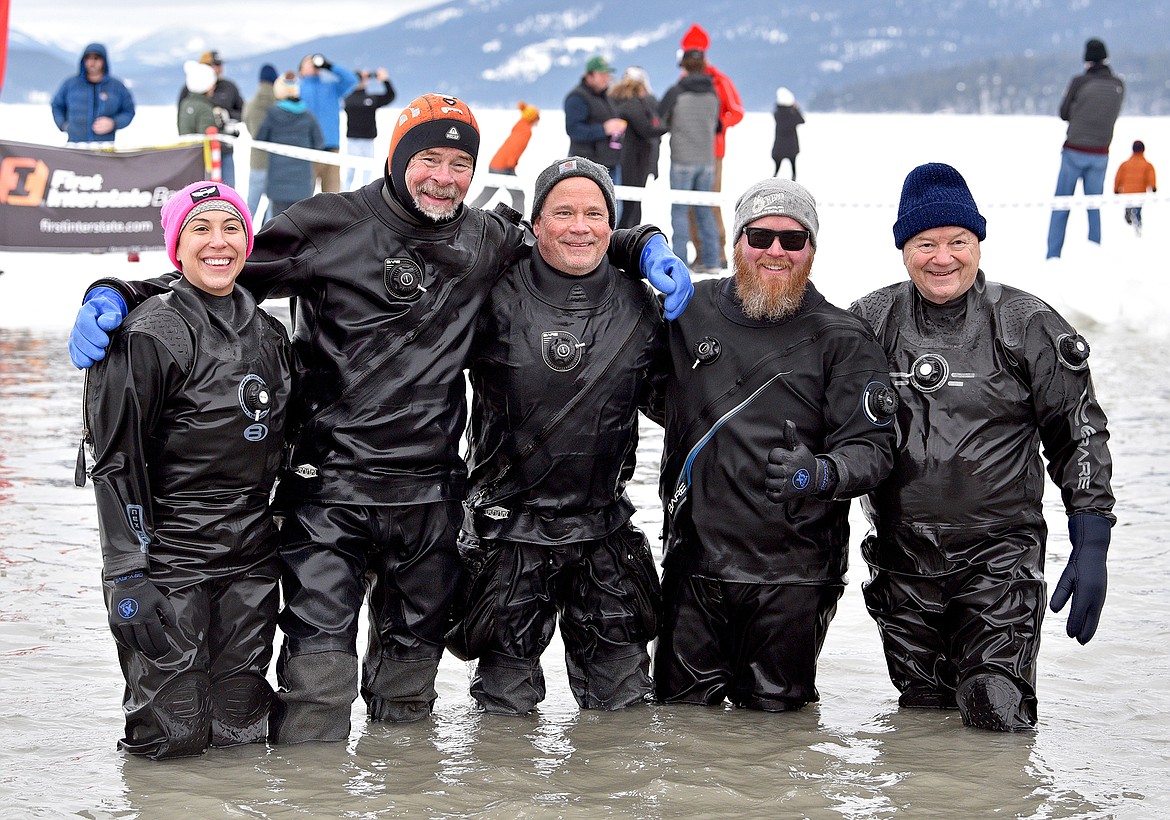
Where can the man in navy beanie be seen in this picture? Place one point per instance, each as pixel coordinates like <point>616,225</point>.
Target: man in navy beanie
<point>1090,107</point>
<point>986,376</point>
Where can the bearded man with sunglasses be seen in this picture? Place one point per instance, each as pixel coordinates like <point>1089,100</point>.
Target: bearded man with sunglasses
<point>777,410</point>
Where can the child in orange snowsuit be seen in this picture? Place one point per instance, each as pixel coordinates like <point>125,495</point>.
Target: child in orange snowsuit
<point>508,157</point>
<point>1135,176</point>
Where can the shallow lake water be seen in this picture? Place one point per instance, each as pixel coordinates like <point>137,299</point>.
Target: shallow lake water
<point>1100,750</point>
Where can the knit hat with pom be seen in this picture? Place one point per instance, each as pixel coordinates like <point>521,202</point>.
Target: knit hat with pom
<point>201,77</point>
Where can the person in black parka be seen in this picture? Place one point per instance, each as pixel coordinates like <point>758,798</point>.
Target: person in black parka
<point>786,144</point>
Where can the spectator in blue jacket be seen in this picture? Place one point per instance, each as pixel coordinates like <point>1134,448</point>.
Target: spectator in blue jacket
<point>92,106</point>
<point>323,88</point>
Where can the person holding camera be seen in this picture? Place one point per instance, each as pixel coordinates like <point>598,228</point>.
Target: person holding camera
<point>323,87</point>
<point>361,125</point>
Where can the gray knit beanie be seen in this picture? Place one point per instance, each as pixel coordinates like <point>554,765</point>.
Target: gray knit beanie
<point>568,167</point>
<point>776,197</point>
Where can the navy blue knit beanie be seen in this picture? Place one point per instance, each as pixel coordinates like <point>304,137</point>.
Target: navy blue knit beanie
<point>267,73</point>
<point>935,195</point>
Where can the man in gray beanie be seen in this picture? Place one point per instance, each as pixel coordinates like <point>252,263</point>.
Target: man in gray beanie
<point>778,410</point>
<point>563,357</point>
<point>985,375</point>
<point>1090,106</point>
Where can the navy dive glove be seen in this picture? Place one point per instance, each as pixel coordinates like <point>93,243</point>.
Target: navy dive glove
<point>1085,578</point>
<point>668,274</point>
<point>140,615</point>
<point>794,472</point>
<point>102,310</point>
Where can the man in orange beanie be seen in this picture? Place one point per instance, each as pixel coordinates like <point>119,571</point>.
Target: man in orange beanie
<point>1135,176</point>
<point>388,281</point>
<point>730,113</point>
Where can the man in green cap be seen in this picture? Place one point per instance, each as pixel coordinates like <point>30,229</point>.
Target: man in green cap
<point>594,128</point>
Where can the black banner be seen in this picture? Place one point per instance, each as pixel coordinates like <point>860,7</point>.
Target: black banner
<point>75,199</point>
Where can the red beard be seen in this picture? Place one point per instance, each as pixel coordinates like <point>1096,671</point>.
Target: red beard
<point>770,297</point>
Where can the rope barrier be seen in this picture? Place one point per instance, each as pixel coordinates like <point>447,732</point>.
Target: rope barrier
<point>722,199</point>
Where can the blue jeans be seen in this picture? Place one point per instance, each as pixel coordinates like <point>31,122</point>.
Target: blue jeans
<point>257,183</point>
<point>1090,169</point>
<point>693,177</point>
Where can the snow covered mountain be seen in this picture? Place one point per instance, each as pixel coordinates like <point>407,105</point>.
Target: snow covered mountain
<point>992,56</point>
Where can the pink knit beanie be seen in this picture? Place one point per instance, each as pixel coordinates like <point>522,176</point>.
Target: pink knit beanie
<point>195,199</point>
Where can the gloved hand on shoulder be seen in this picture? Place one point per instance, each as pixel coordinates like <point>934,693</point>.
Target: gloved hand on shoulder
<point>102,310</point>
<point>140,615</point>
<point>794,472</point>
<point>668,274</point>
<point>1085,578</point>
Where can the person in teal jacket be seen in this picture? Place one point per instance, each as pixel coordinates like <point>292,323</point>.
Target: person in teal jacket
<point>92,106</point>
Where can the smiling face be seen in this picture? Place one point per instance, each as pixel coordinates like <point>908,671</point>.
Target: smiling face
<point>211,250</point>
<point>771,282</point>
<point>437,180</point>
<point>942,262</point>
<point>572,229</point>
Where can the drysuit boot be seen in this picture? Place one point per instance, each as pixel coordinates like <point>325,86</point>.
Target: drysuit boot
<point>316,697</point>
<point>990,701</point>
<point>610,683</point>
<point>504,685</point>
<point>400,690</point>
<point>921,696</point>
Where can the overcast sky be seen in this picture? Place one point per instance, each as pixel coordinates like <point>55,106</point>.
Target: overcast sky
<point>72,24</point>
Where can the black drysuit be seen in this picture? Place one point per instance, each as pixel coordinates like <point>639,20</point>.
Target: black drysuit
<point>559,368</point>
<point>750,586</point>
<point>187,415</point>
<point>957,552</point>
<point>385,307</point>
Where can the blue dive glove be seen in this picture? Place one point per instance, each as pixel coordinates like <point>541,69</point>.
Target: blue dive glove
<point>1085,578</point>
<point>140,615</point>
<point>102,310</point>
<point>793,471</point>
<point>668,274</point>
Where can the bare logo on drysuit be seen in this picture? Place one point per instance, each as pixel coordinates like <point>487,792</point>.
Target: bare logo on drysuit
<point>929,372</point>
<point>256,402</point>
<point>403,279</point>
<point>561,350</point>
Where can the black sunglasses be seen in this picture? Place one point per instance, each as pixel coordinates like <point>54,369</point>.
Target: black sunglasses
<point>761,238</point>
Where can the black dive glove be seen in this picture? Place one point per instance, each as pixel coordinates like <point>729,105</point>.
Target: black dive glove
<point>1085,578</point>
<point>140,615</point>
<point>794,472</point>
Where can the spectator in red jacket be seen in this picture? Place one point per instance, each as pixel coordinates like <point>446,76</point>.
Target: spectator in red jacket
<point>730,113</point>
